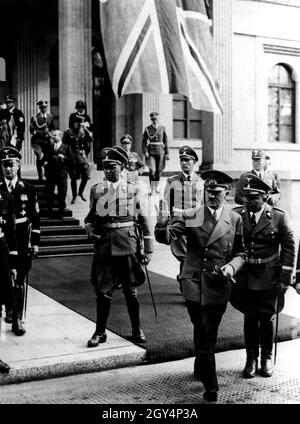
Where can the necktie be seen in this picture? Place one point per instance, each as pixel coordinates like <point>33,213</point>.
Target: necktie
<point>189,178</point>
<point>253,220</point>
<point>215,217</point>
<point>10,186</point>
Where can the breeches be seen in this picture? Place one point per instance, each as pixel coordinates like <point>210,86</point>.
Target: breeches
<point>155,167</point>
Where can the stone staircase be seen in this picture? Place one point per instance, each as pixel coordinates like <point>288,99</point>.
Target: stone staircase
<point>59,237</point>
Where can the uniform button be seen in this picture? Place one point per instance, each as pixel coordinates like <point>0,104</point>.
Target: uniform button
<point>205,259</point>
<point>206,249</point>
<point>204,269</point>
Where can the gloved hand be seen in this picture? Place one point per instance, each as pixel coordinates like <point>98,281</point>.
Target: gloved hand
<point>227,271</point>
<point>162,213</point>
<point>147,258</point>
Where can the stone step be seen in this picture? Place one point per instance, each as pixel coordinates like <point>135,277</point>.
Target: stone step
<point>65,250</point>
<point>61,240</point>
<point>62,230</point>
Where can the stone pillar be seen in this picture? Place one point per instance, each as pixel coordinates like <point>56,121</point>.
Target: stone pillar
<point>217,129</point>
<point>75,56</point>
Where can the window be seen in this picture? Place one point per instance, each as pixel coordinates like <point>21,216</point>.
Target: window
<point>2,69</point>
<point>186,120</point>
<point>281,105</point>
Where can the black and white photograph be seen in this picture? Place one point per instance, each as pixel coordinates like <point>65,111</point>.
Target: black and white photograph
<point>149,206</point>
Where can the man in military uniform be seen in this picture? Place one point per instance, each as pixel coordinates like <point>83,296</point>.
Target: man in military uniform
<point>155,149</point>
<point>79,139</point>
<point>41,126</point>
<point>183,191</point>
<point>81,114</point>
<point>272,179</point>
<point>16,123</point>
<point>57,160</point>
<point>214,255</point>
<point>259,163</point>
<point>8,253</point>
<point>135,165</point>
<point>27,229</point>
<point>117,220</point>
<point>259,292</point>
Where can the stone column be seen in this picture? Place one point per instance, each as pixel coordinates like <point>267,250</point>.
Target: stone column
<point>75,56</point>
<point>217,129</point>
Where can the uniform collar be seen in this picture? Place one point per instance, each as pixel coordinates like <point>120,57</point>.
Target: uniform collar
<point>13,181</point>
<point>218,211</point>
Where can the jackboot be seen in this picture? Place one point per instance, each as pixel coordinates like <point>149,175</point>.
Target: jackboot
<point>18,328</point>
<point>133,307</point>
<point>266,341</point>
<point>251,366</point>
<point>103,308</point>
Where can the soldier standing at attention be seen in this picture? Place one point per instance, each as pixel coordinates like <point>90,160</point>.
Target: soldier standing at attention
<point>27,229</point>
<point>41,126</point>
<point>261,284</point>
<point>81,115</point>
<point>183,191</point>
<point>117,219</point>
<point>214,254</point>
<point>16,123</point>
<point>259,169</point>
<point>156,150</point>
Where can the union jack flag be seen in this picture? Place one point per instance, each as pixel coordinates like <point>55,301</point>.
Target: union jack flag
<point>160,46</point>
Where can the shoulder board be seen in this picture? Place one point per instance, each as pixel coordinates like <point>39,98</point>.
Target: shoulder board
<point>278,209</point>
<point>239,209</point>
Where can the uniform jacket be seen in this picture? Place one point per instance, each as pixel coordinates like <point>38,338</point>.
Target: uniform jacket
<point>155,140</point>
<point>19,122</point>
<point>40,127</point>
<point>125,204</point>
<point>270,178</point>
<point>26,212</point>
<point>183,194</point>
<point>208,245</point>
<point>8,240</point>
<point>56,167</point>
<point>84,117</point>
<point>272,234</point>
<point>77,142</point>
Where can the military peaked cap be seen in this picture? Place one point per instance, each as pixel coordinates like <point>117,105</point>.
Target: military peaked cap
<point>42,103</point>
<point>114,155</point>
<point>254,185</point>
<point>126,139</point>
<point>187,151</point>
<point>80,103</point>
<point>154,114</point>
<point>10,99</point>
<point>9,152</point>
<point>258,154</point>
<point>216,180</point>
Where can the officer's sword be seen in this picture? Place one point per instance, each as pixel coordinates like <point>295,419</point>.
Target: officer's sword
<point>276,329</point>
<point>152,298</point>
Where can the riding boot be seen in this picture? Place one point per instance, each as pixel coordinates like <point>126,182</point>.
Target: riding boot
<point>251,335</point>
<point>134,314</point>
<point>17,311</point>
<point>266,341</point>
<point>84,180</point>
<point>103,308</point>
<point>74,189</point>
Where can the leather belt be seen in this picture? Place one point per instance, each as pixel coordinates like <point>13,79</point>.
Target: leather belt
<point>261,260</point>
<point>119,224</point>
<point>157,143</point>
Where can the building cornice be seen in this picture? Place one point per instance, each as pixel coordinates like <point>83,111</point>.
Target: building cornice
<point>282,50</point>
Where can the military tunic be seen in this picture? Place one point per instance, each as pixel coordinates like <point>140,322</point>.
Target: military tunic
<point>116,217</point>
<point>27,223</point>
<point>8,243</point>
<point>270,248</point>
<point>181,194</point>
<point>155,143</point>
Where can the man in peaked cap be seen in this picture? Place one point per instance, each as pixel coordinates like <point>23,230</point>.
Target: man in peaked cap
<point>117,219</point>
<point>258,169</point>
<point>27,231</point>
<point>16,123</point>
<point>262,282</point>
<point>183,191</point>
<point>41,127</point>
<point>81,114</point>
<point>214,254</point>
<point>156,149</point>
<point>135,165</point>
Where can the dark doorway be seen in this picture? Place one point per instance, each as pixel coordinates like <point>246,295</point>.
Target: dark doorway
<point>54,84</point>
